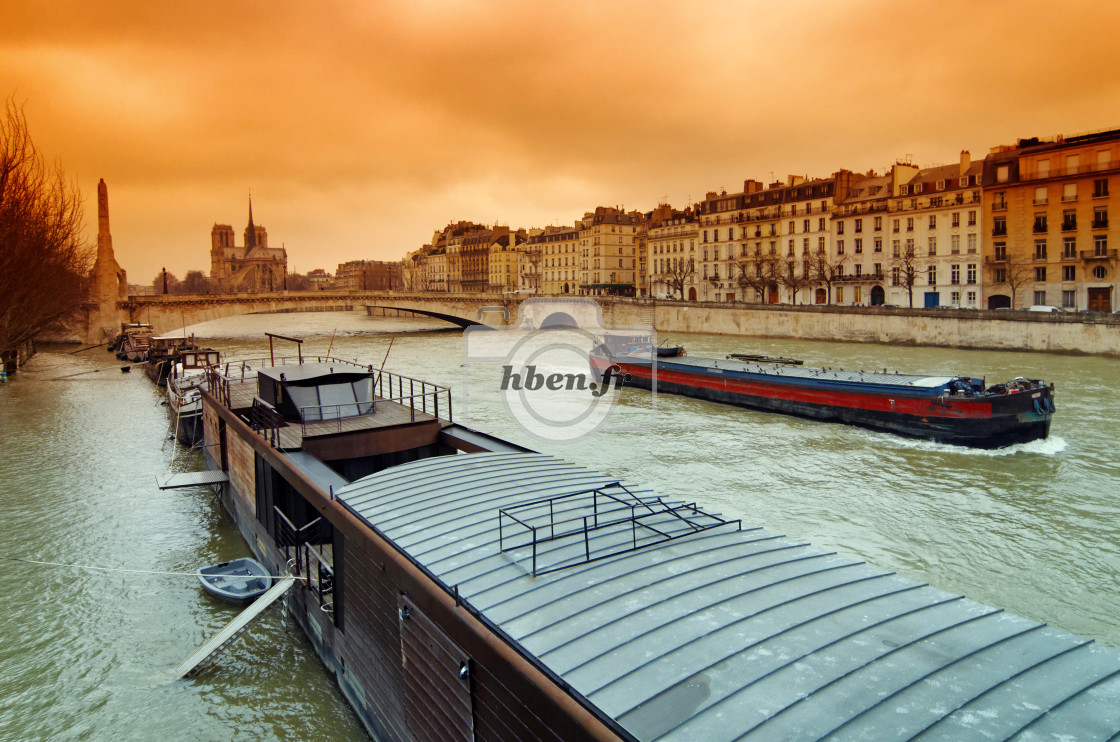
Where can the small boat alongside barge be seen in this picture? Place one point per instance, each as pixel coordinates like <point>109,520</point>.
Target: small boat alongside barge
<point>958,410</point>
<point>239,581</point>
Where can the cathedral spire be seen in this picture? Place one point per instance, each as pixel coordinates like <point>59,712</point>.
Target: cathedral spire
<point>250,231</point>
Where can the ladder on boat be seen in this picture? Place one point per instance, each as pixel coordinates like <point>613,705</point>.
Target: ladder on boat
<point>227,636</point>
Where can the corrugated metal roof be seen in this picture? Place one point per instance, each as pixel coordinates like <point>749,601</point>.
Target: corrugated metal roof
<point>740,634</point>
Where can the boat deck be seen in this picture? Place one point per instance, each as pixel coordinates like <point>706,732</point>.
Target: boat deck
<point>387,413</point>
<point>819,374</point>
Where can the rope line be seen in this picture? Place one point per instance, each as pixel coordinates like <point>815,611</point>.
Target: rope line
<point>113,569</point>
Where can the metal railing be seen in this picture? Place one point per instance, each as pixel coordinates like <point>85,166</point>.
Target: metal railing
<point>610,510</point>
<point>266,420</point>
<point>416,394</point>
<point>306,558</point>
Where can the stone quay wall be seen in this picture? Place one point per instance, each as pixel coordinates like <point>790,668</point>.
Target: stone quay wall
<point>1083,334</point>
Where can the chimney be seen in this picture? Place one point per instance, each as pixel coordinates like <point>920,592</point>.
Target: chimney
<point>965,161</point>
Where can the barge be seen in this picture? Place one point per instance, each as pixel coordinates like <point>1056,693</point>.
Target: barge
<point>958,410</point>
<point>462,587</point>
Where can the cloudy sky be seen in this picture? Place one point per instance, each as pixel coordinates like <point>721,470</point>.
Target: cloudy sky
<point>360,126</point>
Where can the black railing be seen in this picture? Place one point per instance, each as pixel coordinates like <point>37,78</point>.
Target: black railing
<point>612,512</point>
<point>306,558</point>
<point>266,420</point>
<point>416,394</point>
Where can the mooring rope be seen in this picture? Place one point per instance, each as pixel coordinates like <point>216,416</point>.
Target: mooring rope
<point>114,569</point>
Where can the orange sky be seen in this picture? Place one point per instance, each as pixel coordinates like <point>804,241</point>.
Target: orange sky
<point>362,126</point>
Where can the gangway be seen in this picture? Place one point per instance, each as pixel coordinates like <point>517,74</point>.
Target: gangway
<point>192,479</point>
<point>234,629</point>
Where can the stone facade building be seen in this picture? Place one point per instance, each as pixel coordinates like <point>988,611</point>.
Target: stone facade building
<point>1046,209</point>
<point>251,267</point>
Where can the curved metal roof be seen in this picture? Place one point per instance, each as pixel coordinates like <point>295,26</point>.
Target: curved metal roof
<point>733,634</point>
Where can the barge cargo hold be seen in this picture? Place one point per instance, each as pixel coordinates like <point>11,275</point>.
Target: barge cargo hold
<point>947,409</point>
<point>462,587</point>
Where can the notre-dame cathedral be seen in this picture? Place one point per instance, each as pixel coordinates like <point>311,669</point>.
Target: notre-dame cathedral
<point>252,267</point>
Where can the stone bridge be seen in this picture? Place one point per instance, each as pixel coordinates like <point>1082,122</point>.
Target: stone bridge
<point>168,312</point>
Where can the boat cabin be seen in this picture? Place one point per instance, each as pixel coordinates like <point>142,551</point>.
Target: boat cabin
<point>312,392</point>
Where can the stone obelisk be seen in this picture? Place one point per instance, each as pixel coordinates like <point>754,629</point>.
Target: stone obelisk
<point>109,282</point>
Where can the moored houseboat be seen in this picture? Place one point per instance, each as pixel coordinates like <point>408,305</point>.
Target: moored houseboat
<point>184,401</point>
<point>460,586</point>
<point>959,410</point>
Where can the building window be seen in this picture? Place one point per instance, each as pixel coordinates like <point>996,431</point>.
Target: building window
<point>805,225</point>
<point>1040,275</point>
<point>1000,250</point>
<point>971,298</point>
<point>859,271</point>
<point>1000,275</point>
<point>839,294</point>
<point>1040,250</point>
<point>954,244</point>
<point>1069,248</point>
<point>878,223</point>
<point>1040,196</point>
<point>821,226</point>
<point>955,219</point>
<point>1069,192</point>
<point>1100,187</point>
<point>1003,173</point>
<point>999,201</point>
<point>1100,273</point>
<point>859,225</point>
<point>1069,299</point>
<point>931,275</point>
<point>1043,172</point>
<point>971,275</point>
<point>878,269</point>
<point>894,226</point>
<point>839,247</point>
<point>933,245</point>
<point>896,251</point>
<point>1100,217</point>
<point>972,244</point>
<point>909,224</point>
<point>1040,223</point>
<point>1069,273</point>
<point>878,244</point>
<point>1100,245</point>
<point>933,221</point>
<point>859,245</point>
<point>1069,220</point>
<point>1040,297</point>
<point>956,298</point>
<point>954,274</point>
<point>972,218</point>
<point>820,245</point>
<point>999,226</point>
<point>792,227</point>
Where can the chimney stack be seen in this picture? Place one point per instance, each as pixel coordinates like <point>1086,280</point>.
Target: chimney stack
<point>966,161</point>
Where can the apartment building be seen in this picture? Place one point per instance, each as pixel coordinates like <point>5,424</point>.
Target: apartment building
<point>669,265</point>
<point>560,255</point>
<point>1046,208</point>
<point>765,244</point>
<point>608,242</point>
<point>505,263</point>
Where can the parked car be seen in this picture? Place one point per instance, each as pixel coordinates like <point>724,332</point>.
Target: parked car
<point>1044,308</point>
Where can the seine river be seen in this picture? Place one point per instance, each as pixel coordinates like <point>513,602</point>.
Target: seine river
<point>88,654</point>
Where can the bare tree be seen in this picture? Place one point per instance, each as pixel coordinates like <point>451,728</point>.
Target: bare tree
<point>906,265</point>
<point>678,274</point>
<point>1016,273</point>
<point>793,274</point>
<point>297,282</point>
<point>827,269</point>
<point>43,261</point>
<point>758,272</point>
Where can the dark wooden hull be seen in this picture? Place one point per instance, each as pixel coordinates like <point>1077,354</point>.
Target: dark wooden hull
<point>982,421</point>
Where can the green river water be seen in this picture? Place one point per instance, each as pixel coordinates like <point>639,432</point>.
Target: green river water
<point>88,654</point>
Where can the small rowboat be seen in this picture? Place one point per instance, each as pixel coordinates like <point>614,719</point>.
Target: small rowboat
<point>237,581</point>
